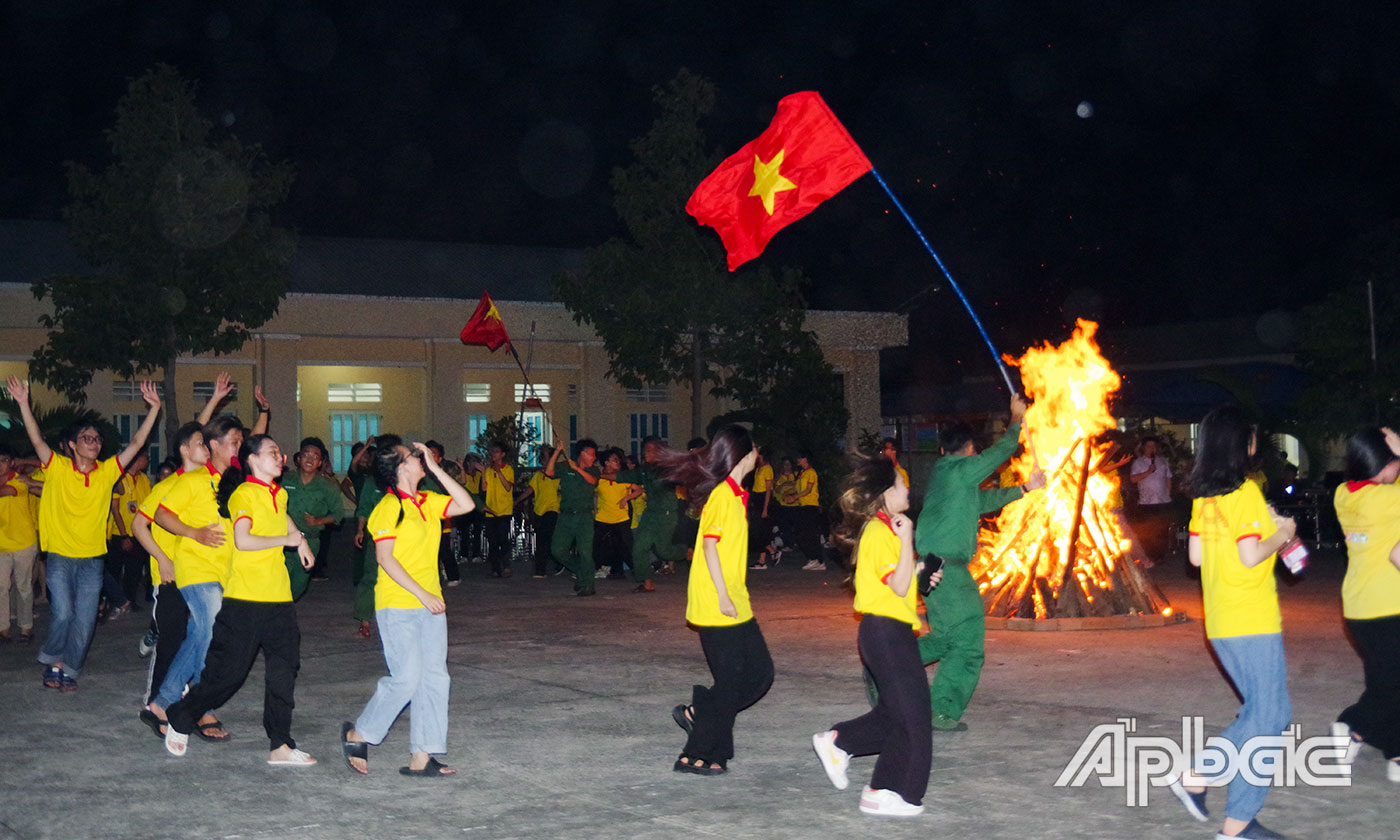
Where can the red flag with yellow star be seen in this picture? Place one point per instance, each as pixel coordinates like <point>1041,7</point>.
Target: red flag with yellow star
<point>804,158</point>
<point>485,326</point>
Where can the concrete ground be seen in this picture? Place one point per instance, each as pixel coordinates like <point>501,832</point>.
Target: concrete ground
<point>561,727</point>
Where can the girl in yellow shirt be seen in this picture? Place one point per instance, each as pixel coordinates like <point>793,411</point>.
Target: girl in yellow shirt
<point>873,503</point>
<point>1368,509</point>
<point>717,603</point>
<point>257,611</point>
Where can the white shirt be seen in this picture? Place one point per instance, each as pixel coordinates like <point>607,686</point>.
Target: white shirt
<point>1156,488</point>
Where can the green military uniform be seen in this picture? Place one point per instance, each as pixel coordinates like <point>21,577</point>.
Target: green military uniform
<point>370,494</point>
<point>658,522</point>
<point>575,526</point>
<point>947,527</point>
<point>319,497</point>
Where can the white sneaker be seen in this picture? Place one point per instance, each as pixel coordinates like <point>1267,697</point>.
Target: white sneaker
<point>603,571</point>
<point>887,803</point>
<point>1341,730</point>
<point>834,759</point>
<point>814,566</point>
<point>1392,771</point>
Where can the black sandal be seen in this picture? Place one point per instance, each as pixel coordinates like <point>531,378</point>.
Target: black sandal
<point>434,769</point>
<point>202,730</point>
<point>149,718</point>
<point>353,749</point>
<point>698,766</point>
<point>683,715</point>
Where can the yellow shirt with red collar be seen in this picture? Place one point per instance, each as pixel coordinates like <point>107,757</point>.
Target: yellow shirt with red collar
<point>127,496</point>
<point>74,508</point>
<point>259,575</point>
<point>193,500</point>
<point>1238,601</point>
<point>877,555</point>
<point>167,541</point>
<point>807,480</point>
<point>16,519</point>
<point>724,519</point>
<point>763,478</point>
<point>1369,514</point>
<point>498,500</point>
<point>414,526</point>
<point>606,498</point>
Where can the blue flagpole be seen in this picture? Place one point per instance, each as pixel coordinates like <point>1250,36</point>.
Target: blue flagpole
<point>966,305</point>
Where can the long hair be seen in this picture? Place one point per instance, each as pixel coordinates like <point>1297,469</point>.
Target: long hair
<point>387,460</point>
<point>1367,454</point>
<point>232,477</point>
<point>1222,452</point>
<point>862,496</point>
<point>704,469</point>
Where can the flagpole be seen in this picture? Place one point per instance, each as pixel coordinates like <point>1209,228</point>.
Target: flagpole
<point>549,418</point>
<point>996,357</point>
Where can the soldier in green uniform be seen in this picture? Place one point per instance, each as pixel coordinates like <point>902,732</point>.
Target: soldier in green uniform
<point>312,502</point>
<point>575,526</point>
<point>658,522</point>
<point>370,494</point>
<point>947,528</point>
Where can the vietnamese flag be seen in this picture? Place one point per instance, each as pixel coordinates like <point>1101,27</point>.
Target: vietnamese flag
<point>485,326</point>
<point>804,158</point>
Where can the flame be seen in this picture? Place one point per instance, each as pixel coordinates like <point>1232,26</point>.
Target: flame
<point>1022,563</point>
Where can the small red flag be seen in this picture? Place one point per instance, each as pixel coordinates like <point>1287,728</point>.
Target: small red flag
<point>804,158</point>
<point>485,326</point>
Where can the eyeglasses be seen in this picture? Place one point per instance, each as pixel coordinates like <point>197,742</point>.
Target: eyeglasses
<point>89,439</point>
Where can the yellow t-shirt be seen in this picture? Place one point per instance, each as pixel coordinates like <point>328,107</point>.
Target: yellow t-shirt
<point>809,498</point>
<point>416,539</point>
<point>16,521</point>
<point>1237,601</point>
<point>877,555</point>
<point>1370,517</point>
<point>167,541</point>
<point>762,478</point>
<point>193,500</point>
<point>130,491</point>
<point>724,520</point>
<point>259,575</point>
<point>785,488</point>
<point>546,493</point>
<point>472,483</point>
<point>606,497</point>
<point>35,475</point>
<point>75,506</point>
<point>499,501</point>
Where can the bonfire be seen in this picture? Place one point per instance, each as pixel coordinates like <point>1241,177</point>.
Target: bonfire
<point>1061,552</point>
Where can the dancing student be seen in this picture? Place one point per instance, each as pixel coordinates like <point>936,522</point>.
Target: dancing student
<point>889,447</point>
<point>785,494</point>
<point>257,613</point>
<point>406,527</point>
<point>873,502</point>
<point>471,528</point>
<point>545,512</point>
<point>575,526</point>
<point>612,518</point>
<point>809,515</point>
<point>717,600</point>
<point>658,520</point>
<point>313,500</point>
<point>1368,508</point>
<point>73,515</point>
<point>1233,537</point>
<point>372,491</point>
<point>447,558</point>
<point>498,488</point>
<point>18,547</point>
<point>760,532</point>
<point>125,559</point>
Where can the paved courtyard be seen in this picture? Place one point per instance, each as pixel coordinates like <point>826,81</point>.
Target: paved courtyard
<point>561,728</point>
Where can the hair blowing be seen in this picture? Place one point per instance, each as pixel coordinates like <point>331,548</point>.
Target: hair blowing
<point>862,496</point>
<point>703,469</point>
<point>1367,454</point>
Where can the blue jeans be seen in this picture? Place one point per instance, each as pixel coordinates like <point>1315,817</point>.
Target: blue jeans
<point>1256,665</point>
<point>415,649</point>
<point>203,600</point>
<point>74,583</point>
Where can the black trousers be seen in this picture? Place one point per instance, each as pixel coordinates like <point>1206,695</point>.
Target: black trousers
<point>809,530</point>
<point>498,542</point>
<point>128,566</point>
<point>1376,716</point>
<point>241,629</point>
<point>612,545</point>
<point>743,670</point>
<point>172,617</point>
<point>544,535</point>
<point>898,728</point>
<point>447,561</point>
<point>760,529</point>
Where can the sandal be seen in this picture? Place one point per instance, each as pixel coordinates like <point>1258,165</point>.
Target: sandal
<point>353,749</point>
<point>433,770</point>
<point>202,730</point>
<point>698,766</point>
<point>684,716</point>
<point>53,676</point>
<point>149,718</point>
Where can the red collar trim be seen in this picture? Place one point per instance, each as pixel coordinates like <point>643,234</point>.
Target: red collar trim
<point>95,465</point>
<point>6,479</point>
<point>885,518</point>
<point>738,491</point>
<point>271,488</point>
<point>1353,486</point>
<point>416,500</point>
<point>209,465</point>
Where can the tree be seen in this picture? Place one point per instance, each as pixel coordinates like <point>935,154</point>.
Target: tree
<point>662,300</point>
<point>185,257</point>
<point>510,432</point>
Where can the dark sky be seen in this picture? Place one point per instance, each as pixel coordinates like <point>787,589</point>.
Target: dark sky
<point>1233,151</point>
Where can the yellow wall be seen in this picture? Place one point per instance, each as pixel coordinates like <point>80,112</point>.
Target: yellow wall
<point>401,410</point>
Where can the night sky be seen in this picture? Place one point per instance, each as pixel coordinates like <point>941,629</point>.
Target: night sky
<point>1142,162</point>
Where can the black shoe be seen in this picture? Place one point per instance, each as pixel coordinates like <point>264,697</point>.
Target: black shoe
<point>589,591</point>
<point>1255,831</point>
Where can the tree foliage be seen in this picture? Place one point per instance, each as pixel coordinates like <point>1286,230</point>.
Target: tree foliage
<point>666,307</point>
<point>511,432</point>
<point>184,256</point>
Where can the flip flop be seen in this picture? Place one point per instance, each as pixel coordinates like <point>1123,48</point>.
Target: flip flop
<point>683,720</point>
<point>433,770</point>
<point>353,749</point>
<point>699,766</point>
<point>149,718</point>
<point>202,730</point>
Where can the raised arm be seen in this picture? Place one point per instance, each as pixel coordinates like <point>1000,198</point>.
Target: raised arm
<point>553,457</point>
<point>264,411</point>
<point>903,574</point>
<point>223,386</point>
<point>138,440</point>
<point>19,391</point>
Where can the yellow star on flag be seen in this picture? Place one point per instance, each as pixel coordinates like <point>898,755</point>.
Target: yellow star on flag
<point>492,314</point>
<point>768,181</point>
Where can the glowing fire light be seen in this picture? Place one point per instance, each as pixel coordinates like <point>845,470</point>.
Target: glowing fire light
<point>1061,551</point>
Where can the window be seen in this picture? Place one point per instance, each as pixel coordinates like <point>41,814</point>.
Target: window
<point>641,426</point>
<point>543,436</point>
<point>649,393</point>
<point>128,390</point>
<point>354,392</point>
<point>347,429</point>
<point>573,430</point>
<point>524,392</point>
<point>573,391</point>
<point>475,427</point>
<point>476,392</point>
<point>204,390</point>
<point>128,423</point>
